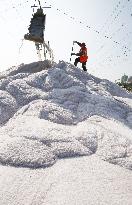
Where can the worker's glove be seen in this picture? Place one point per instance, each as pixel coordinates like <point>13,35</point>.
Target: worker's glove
<point>73,54</point>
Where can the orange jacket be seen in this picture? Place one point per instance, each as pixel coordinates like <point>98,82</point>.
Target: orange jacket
<point>83,57</point>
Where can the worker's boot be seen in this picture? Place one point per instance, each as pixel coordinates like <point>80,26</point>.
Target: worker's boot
<point>84,67</point>
<point>75,63</point>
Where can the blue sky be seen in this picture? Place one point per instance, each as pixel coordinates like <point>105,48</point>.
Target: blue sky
<point>105,26</point>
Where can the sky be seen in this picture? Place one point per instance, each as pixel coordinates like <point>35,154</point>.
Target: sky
<point>103,25</point>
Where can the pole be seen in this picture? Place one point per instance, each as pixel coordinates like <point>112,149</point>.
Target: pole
<point>72,50</point>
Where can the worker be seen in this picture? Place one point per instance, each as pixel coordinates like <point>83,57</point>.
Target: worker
<point>82,55</point>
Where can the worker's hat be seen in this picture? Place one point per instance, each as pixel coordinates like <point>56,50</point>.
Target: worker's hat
<point>83,44</point>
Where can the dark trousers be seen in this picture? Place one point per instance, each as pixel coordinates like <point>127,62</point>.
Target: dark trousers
<point>77,60</point>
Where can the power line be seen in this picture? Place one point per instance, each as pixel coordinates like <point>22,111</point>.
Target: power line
<point>90,28</point>
<point>81,22</point>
